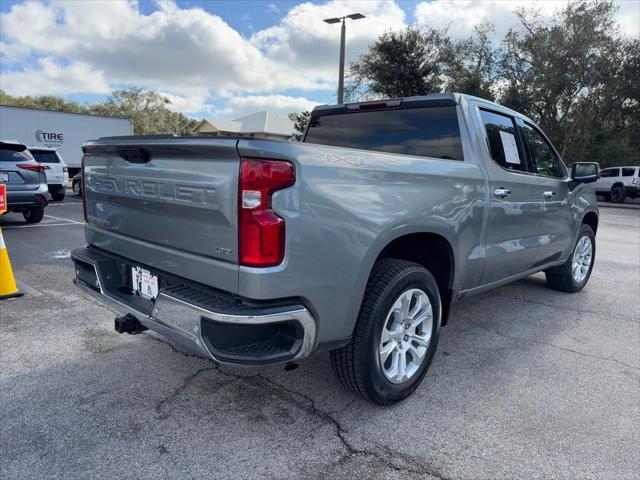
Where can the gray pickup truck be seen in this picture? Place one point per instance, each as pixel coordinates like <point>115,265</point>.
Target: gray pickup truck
<point>357,240</point>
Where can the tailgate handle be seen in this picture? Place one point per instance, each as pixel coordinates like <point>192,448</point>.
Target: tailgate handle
<point>134,154</point>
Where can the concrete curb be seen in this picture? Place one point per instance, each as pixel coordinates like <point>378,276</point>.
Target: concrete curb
<point>631,206</point>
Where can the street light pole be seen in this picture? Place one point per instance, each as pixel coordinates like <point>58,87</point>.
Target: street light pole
<point>343,34</point>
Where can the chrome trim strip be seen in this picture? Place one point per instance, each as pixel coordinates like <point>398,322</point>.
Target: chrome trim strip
<point>180,320</point>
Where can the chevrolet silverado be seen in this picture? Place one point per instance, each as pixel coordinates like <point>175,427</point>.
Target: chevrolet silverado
<point>356,240</point>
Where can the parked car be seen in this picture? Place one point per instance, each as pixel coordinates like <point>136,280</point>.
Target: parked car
<point>76,184</point>
<point>25,179</point>
<point>356,241</point>
<point>618,183</point>
<point>55,170</point>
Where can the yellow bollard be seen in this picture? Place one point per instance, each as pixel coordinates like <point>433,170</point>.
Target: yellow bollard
<point>8,288</point>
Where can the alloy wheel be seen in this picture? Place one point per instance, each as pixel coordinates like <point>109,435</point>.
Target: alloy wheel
<point>406,335</point>
<point>582,256</point>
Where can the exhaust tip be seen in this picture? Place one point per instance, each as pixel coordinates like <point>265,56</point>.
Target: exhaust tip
<point>289,367</point>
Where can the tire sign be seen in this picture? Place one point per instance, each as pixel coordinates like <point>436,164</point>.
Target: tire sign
<point>3,198</point>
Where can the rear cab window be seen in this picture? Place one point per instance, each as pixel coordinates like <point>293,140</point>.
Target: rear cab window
<point>628,172</point>
<point>420,131</point>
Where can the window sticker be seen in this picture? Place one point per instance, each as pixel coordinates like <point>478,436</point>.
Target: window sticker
<point>510,148</point>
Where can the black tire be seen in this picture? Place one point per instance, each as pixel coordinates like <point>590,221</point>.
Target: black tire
<point>617,194</point>
<point>33,214</point>
<point>561,277</point>
<point>77,190</point>
<point>358,365</point>
<point>58,195</point>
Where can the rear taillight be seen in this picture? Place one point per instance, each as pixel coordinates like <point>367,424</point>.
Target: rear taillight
<point>83,191</point>
<point>32,166</point>
<point>261,233</point>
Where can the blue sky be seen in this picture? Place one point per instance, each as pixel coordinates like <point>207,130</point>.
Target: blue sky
<point>219,58</point>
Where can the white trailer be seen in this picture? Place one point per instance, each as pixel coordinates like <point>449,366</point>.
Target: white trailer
<point>63,131</point>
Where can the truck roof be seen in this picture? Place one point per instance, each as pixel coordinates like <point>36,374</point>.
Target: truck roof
<point>431,100</point>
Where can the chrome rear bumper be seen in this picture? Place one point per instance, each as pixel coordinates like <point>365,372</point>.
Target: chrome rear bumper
<point>183,322</point>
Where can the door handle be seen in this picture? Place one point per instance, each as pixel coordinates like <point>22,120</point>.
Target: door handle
<point>502,192</point>
<point>549,194</point>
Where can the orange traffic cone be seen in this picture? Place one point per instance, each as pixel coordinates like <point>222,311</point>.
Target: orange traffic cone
<point>8,288</point>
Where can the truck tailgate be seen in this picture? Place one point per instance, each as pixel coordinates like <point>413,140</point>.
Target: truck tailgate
<point>168,203</point>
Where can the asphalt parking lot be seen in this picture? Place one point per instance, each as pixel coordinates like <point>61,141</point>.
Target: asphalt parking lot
<point>527,383</point>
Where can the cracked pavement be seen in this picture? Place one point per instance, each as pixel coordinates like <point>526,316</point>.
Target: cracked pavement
<point>527,383</point>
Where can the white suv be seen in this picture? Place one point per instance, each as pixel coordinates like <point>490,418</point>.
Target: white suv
<point>618,183</point>
<point>55,170</point>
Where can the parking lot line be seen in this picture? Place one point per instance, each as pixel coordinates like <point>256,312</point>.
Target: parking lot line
<point>64,219</point>
<point>69,223</point>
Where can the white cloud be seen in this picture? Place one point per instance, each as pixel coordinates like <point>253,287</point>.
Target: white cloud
<point>304,41</point>
<point>462,15</point>
<point>191,48</point>
<point>278,104</point>
<point>186,53</point>
<point>193,56</point>
<point>171,47</point>
<point>628,17</point>
<point>52,78</point>
<point>187,100</point>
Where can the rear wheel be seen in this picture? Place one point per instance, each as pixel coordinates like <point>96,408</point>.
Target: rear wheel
<point>58,195</point>
<point>617,194</point>
<point>33,214</point>
<point>574,274</point>
<point>76,188</point>
<point>396,334</point>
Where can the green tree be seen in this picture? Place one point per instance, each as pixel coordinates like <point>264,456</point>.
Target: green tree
<point>400,64</point>
<point>300,121</point>
<point>418,61</point>
<point>574,74</point>
<point>148,111</point>
<point>470,65</point>
<point>577,78</point>
<point>42,102</point>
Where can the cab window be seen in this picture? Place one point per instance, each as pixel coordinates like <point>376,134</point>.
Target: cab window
<point>543,159</point>
<point>610,172</point>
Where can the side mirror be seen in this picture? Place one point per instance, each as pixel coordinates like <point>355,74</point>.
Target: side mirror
<point>585,172</point>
